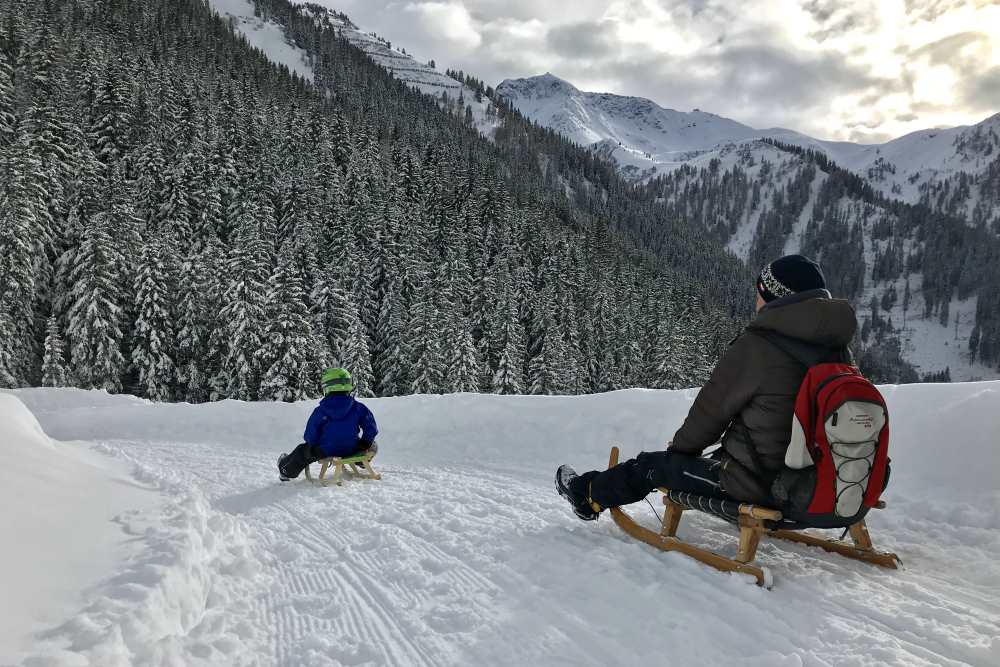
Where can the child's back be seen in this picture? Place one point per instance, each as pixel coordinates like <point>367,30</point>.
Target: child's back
<point>334,425</point>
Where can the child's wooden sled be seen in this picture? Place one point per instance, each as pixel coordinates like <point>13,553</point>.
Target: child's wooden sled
<point>360,465</point>
<point>753,521</point>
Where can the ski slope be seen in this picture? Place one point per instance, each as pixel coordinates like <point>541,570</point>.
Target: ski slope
<point>464,555</point>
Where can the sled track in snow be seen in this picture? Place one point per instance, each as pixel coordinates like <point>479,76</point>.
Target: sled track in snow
<point>448,565</point>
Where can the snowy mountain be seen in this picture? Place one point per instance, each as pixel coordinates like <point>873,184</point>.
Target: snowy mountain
<point>646,139</point>
<point>460,555</point>
<point>640,135</point>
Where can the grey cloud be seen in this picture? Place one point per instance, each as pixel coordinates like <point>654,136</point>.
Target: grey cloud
<point>788,78</point>
<point>982,90</point>
<point>929,10</point>
<point>590,40</point>
<point>947,51</point>
<point>758,84</point>
<point>837,17</point>
<point>821,10</point>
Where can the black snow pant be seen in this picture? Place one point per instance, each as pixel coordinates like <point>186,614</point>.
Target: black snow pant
<point>293,464</point>
<point>633,480</point>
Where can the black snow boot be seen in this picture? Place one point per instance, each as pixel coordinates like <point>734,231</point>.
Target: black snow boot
<point>281,473</point>
<point>576,489</point>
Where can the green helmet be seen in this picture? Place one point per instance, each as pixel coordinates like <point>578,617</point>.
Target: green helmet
<point>337,381</point>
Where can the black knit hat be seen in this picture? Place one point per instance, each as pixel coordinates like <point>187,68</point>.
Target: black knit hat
<point>789,275</point>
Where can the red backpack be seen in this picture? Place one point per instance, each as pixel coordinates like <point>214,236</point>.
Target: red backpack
<point>840,435</point>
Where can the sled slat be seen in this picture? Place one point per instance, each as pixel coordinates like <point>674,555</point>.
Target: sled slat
<point>360,465</point>
<point>664,543</point>
<point>857,552</point>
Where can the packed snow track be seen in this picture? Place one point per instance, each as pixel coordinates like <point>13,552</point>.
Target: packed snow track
<point>463,554</point>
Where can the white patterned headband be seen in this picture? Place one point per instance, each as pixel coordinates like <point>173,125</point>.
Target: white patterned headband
<point>773,285</point>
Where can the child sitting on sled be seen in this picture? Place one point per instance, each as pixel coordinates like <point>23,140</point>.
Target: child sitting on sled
<point>333,428</point>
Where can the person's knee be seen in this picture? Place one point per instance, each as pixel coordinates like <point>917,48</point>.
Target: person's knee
<point>660,468</point>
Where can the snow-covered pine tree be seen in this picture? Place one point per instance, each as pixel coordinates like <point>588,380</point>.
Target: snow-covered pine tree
<point>388,362</point>
<point>463,366</point>
<point>109,131</point>
<point>240,334</point>
<point>54,372</point>
<point>508,376</point>
<point>17,273</point>
<point>95,311</point>
<point>8,121</point>
<point>424,353</point>
<point>197,307</point>
<point>357,360</point>
<point>331,315</point>
<point>547,363</point>
<point>153,341</point>
<point>289,356</point>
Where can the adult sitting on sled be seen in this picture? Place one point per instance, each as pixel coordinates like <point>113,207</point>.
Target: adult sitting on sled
<point>748,402</point>
<point>333,428</point>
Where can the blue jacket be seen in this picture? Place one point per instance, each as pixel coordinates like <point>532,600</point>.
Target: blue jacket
<point>334,425</point>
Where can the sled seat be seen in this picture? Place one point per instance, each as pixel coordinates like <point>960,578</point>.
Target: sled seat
<point>754,522</point>
<point>360,464</point>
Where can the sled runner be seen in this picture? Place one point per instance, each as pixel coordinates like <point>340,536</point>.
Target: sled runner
<point>753,521</point>
<point>360,465</point>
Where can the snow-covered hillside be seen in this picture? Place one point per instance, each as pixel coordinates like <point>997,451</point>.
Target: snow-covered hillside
<point>270,38</point>
<point>463,554</point>
<point>421,76</point>
<point>926,343</point>
<point>267,36</point>
<point>645,139</point>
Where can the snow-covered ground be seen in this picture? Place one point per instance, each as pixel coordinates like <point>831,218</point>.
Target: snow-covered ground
<point>463,554</point>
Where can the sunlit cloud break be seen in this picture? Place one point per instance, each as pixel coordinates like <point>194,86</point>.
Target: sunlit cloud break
<point>837,69</point>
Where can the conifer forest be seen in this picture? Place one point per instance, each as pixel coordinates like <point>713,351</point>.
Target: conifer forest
<point>183,220</point>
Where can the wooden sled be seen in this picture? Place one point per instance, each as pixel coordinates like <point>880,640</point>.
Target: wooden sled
<point>753,521</point>
<point>360,465</point>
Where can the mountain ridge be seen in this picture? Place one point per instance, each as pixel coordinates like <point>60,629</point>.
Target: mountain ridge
<point>642,147</point>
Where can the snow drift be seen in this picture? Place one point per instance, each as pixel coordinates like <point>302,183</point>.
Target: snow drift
<point>463,554</point>
<point>55,517</point>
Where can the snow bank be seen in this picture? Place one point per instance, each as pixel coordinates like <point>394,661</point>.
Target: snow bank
<point>57,507</point>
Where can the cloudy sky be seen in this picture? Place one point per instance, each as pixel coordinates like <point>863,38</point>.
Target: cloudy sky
<point>863,70</point>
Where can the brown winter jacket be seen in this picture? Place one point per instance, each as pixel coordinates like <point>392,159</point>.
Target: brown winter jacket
<point>750,398</point>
